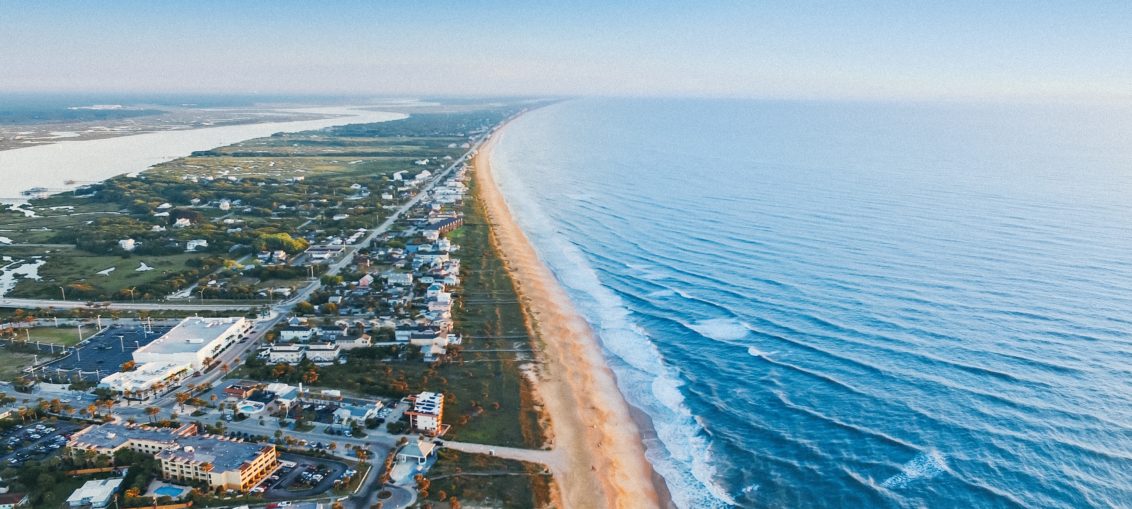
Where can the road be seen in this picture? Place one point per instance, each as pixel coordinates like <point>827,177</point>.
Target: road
<point>337,266</point>
<point>137,306</point>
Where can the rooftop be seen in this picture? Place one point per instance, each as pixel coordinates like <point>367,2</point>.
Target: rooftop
<point>145,375</point>
<point>192,334</point>
<point>428,403</point>
<point>92,491</point>
<point>223,454</point>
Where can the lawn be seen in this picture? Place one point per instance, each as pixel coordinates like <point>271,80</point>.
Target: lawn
<point>13,363</point>
<point>68,266</point>
<point>65,336</point>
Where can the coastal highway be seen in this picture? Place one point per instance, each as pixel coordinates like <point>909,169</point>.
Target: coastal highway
<point>135,306</point>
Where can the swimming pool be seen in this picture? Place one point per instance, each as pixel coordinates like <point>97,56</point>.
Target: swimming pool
<point>169,491</point>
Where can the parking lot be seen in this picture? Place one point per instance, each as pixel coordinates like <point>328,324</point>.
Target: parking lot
<point>104,353</point>
<point>34,441</point>
<point>308,477</point>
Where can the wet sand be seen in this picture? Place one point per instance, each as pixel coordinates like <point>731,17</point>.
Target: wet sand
<point>602,461</point>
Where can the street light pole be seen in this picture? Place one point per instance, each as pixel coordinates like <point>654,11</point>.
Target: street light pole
<point>64,292</point>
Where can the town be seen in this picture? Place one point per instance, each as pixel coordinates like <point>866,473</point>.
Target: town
<point>311,318</point>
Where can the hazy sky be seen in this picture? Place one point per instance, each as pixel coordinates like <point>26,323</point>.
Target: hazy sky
<point>846,49</point>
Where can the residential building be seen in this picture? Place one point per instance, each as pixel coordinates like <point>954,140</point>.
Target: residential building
<point>296,333</point>
<point>13,500</point>
<point>351,341</point>
<point>427,414</point>
<point>356,414</point>
<point>285,354</point>
<point>323,353</point>
<point>94,494</point>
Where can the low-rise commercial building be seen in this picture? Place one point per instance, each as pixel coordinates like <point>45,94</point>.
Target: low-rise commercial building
<point>194,341</point>
<point>147,380</point>
<point>184,456</point>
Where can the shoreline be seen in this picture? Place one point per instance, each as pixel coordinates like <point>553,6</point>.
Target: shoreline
<point>594,430</point>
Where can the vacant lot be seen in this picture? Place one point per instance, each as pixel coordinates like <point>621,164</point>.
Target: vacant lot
<point>477,479</point>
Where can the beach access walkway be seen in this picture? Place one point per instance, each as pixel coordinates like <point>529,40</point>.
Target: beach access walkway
<point>552,458</point>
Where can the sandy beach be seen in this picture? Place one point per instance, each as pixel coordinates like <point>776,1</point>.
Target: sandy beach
<point>598,444</point>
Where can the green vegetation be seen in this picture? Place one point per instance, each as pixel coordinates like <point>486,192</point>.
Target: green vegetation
<point>65,336</point>
<point>12,364</point>
<point>488,480</point>
<point>487,398</point>
<point>283,192</point>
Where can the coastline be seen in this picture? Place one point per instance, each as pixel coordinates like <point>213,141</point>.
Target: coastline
<point>596,434</point>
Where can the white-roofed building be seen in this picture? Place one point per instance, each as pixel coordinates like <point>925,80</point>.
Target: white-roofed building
<point>147,380</point>
<point>427,414</point>
<point>95,494</point>
<point>194,341</point>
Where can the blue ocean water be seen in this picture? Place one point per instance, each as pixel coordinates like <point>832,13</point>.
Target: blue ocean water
<point>850,304</point>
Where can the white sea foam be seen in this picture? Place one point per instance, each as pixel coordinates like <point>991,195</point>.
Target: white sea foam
<point>926,465</point>
<point>755,352</point>
<point>682,455</point>
<point>721,329</point>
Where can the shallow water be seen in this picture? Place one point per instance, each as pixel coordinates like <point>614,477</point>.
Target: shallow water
<point>50,166</point>
<point>850,305</point>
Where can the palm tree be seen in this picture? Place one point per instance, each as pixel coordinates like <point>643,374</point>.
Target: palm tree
<point>152,412</point>
<point>182,397</point>
<point>92,410</point>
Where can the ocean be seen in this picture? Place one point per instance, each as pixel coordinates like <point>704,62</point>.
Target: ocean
<point>837,304</point>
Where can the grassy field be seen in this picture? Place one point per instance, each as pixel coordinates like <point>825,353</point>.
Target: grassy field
<point>65,336</point>
<point>13,363</point>
<point>66,267</point>
<point>479,479</point>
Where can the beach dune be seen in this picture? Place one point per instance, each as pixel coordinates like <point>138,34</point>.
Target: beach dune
<point>602,461</point>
